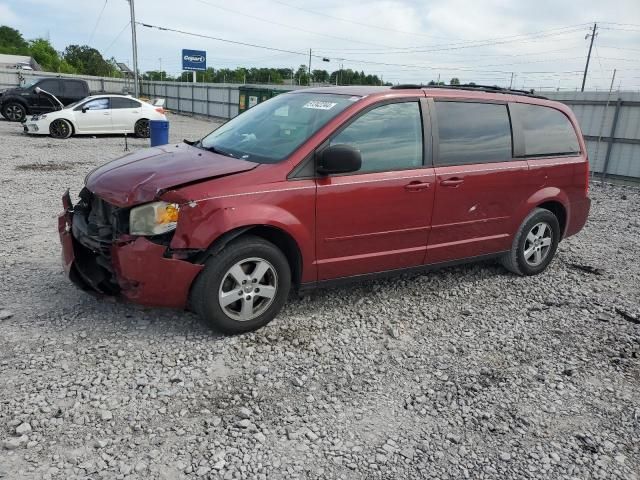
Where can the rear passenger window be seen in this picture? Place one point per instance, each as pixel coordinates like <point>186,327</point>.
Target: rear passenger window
<point>388,137</point>
<point>472,133</point>
<point>120,102</point>
<point>545,131</point>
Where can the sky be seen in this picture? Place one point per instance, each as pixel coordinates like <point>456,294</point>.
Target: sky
<point>404,41</point>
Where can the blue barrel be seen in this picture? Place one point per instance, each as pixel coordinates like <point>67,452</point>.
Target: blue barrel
<point>159,132</point>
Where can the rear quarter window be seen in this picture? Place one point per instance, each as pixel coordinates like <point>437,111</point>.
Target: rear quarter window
<point>543,131</point>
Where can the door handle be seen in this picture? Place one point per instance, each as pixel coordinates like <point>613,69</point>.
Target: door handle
<point>451,182</point>
<point>417,186</point>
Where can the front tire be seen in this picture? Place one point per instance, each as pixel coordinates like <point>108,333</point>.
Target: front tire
<point>243,287</point>
<point>142,129</point>
<point>14,112</point>
<point>534,245</point>
<point>60,128</point>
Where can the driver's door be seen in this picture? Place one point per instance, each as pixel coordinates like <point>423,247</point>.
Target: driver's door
<point>93,116</point>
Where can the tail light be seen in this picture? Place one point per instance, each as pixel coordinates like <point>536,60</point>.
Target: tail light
<point>160,110</point>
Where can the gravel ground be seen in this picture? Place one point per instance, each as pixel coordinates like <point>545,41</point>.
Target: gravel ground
<point>468,372</point>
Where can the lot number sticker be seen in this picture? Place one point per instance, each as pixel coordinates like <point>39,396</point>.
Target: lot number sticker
<point>318,105</point>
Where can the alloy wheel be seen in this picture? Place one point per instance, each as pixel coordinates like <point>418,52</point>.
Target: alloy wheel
<point>248,289</point>
<point>142,129</point>
<point>14,113</point>
<point>59,129</point>
<point>538,243</point>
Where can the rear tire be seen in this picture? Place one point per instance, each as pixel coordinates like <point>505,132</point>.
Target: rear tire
<point>534,245</point>
<point>14,112</point>
<point>141,128</point>
<point>243,287</point>
<point>60,128</point>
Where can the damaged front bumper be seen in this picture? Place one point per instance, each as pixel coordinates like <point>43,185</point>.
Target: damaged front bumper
<point>135,268</point>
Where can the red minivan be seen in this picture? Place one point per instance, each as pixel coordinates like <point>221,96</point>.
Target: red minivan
<point>322,185</point>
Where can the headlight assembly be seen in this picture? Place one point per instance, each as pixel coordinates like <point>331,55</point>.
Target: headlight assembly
<point>153,218</point>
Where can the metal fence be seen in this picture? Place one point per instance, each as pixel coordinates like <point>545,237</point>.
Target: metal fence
<point>610,122</point>
<point>210,99</point>
<point>611,127</point>
<point>11,77</point>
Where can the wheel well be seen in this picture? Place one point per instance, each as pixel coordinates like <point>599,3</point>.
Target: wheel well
<point>73,127</point>
<point>278,237</point>
<point>559,211</point>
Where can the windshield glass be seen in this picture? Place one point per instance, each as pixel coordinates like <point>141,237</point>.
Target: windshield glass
<point>272,130</point>
<point>30,83</point>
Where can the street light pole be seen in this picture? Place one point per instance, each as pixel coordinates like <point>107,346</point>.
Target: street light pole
<point>134,44</point>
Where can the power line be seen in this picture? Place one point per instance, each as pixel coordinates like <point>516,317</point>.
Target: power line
<point>117,37</point>
<point>448,47</point>
<point>352,60</point>
<point>379,27</point>
<point>97,22</point>
<point>271,22</point>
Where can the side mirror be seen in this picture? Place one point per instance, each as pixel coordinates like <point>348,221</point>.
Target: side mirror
<point>339,159</point>
<point>37,90</point>
<point>84,109</point>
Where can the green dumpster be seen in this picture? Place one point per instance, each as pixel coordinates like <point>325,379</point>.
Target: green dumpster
<point>250,96</point>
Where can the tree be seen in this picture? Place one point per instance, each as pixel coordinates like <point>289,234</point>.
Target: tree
<point>321,76</point>
<point>47,57</point>
<point>302,75</point>
<point>454,81</point>
<point>88,60</point>
<point>12,42</point>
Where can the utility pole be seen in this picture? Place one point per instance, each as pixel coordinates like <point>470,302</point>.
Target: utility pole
<point>309,67</point>
<point>511,82</point>
<point>604,116</point>
<point>586,67</point>
<point>134,44</point>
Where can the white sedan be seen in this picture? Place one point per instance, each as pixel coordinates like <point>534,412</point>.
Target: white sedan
<point>95,115</point>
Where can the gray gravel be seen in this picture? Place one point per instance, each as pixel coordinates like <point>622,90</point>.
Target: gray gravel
<point>468,372</point>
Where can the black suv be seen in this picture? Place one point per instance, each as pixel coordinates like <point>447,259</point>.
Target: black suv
<point>17,103</point>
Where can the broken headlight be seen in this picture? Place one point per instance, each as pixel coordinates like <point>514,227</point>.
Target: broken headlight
<point>153,218</point>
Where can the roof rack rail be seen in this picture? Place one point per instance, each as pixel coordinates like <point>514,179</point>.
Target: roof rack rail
<point>473,87</point>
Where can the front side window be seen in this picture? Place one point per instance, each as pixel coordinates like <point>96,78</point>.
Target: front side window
<point>546,131</point>
<point>274,129</point>
<point>97,104</point>
<point>388,137</point>
<point>472,133</point>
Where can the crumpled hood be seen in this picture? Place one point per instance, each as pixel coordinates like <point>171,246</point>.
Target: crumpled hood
<point>140,176</point>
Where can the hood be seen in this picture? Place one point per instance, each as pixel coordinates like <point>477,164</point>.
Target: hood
<point>12,91</point>
<point>141,176</point>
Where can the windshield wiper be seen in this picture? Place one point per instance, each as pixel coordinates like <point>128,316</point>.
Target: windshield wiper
<point>218,151</point>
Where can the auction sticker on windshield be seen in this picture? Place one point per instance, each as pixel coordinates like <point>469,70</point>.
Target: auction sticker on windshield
<point>318,105</point>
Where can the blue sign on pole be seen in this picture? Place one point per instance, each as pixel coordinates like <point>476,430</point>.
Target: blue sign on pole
<point>194,60</point>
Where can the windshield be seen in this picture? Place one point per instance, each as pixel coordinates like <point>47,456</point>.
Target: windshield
<point>272,130</point>
<point>31,83</point>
